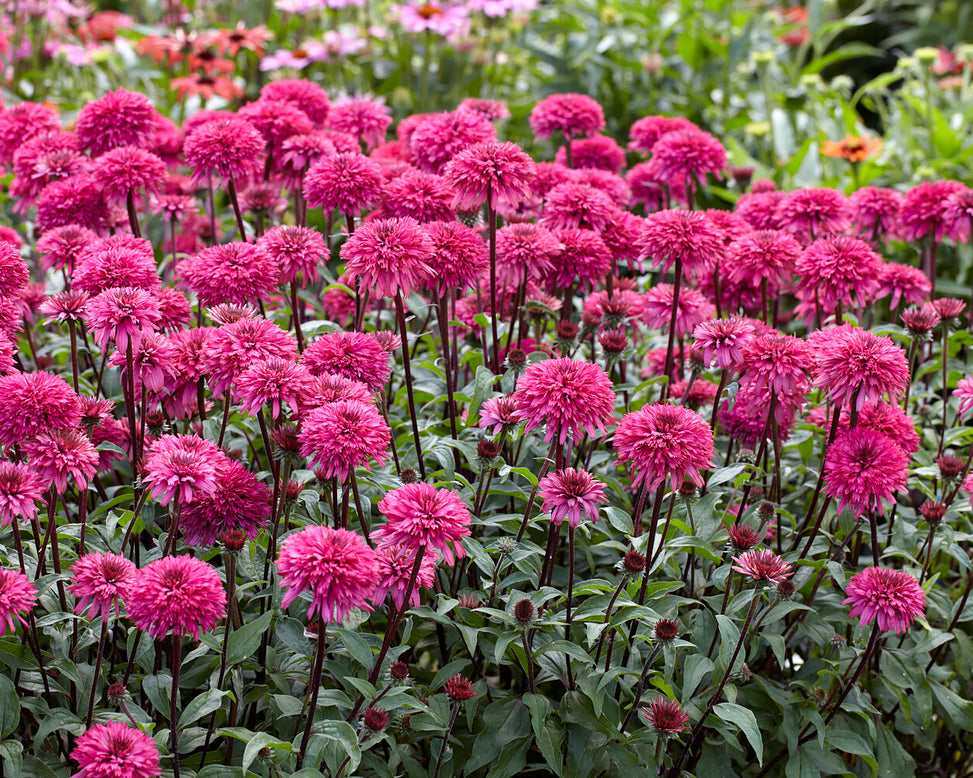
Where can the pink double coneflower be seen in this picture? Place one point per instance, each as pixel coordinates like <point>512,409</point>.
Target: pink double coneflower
<point>761,255</point>
<point>396,563</point>
<point>17,597</point>
<point>20,490</point>
<point>239,502</point>
<point>390,256</point>
<point>776,363</point>
<point>76,199</point>
<point>125,170</point>
<point>584,258</point>
<point>226,148</point>
<point>177,595</point>
<point>682,155</point>
<point>425,197</point>
<point>664,442</point>
<point>419,515</point>
<point>569,397</point>
<point>60,247</point>
<point>574,205</point>
<point>230,350</point>
<point>687,236</point>
<point>923,210</point>
<point>459,257</point>
<point>364,119</point>
<point>763,566</point>
<point>644,132</point>
<point>890,598</point>
<point>119,118</point>
<point>808,214</point>
<point>855,366</point>
<point>347,182</point>
<point>902,283</point>
<point>231,273</point>
<point>573,495</point>
<point>116,750</point>
<point>273,382</point>
<point>660,307</point>
<point>20,123</point>
<point>599,152</point>
<point>32,403</point>
<point>59,454</point>
<point>100,581</point>
<point>724,340</point>
<point>343,435</point>
<point>121,315</point>
<point>116,261</point>
<point>572,115</point>
<point>495,173</point>
<point>839,271</point>
<point>863,469</point>
<point>296,251</point>
<point>441,137</point>
<point>875,211</point>
<point>179,467</point>
<point>357,356</point>
<point>341,571</point>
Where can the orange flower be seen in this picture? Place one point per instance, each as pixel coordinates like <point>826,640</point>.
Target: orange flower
<point>206,86</point>
<point>851,148</point>
<point>233,41</point>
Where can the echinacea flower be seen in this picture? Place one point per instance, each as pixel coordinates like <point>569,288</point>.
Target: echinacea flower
<point>664,442</point>
<point>227,148</point>
<point>599,152</point>
<point>58,454</point>
<point>890,598</point>
<point>687,236</point>
<point>692,309</point>
<point>459,257</point>
<point>924,210</point>
<point>682,154</point>
<point>31,403</point>
<point>667,717</point>
<point>20,123</point>
<point>116,261</point>
<point>574,205</point>
<point>863,469</point>
<point>573,495</point>
<point>306,95</point>
<point>396,563</point>
<point>761,255</point>
<point>776,363</point>
<point>440,137</point>
<point>904,283</point>
<point>76,199</point>
<point>340,436</point>
<point>180,467</point>
<point>567,396</point>
<point>763,566</point>
<point>418,515</point>
<point>525,250</point>
<point>584,258</point>
<point>498,172</point>
<point>17,597</point>
<point>572,115</point>
<point>459,689</point>
<point>812,213</point>
<point>390,256</point>
<point>365,119</point>
<point>425,197</point>
<point>116,750</point>
<point>230,350</point>
<point>853,364</point>
<point>724,339</point>
<point>122,314</point>
<point>839,270</point>
<point>644,132</point>
<point>14,274</point>
<point>119,118</point>
<point>60,247</point>
<point>338,567</point>
<point>99,581</point>
<point>20,490</point>
<point>180,595</point>
<point>875,211</point>
<point>273,382</point>
<point>128,169</point>
<point>348,182</point>
<point>239,502</point>
<point>357,356</point>
<point>230,273</point>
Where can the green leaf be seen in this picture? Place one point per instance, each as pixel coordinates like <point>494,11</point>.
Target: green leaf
<point>11,754</point>
<point>746,721</point>
<point>729,637</point>
<point>849,742</point>
<point>244,642</point>
<point>9,707</point>
<point>258,741</point>
<point>697,666</point>
<point>201,706</point>
<point>333,742</point>
<point>157,688</point>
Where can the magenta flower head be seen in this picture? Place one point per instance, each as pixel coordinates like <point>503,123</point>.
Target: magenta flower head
<point>680,154</point>
<point>811,213</point>
<point>120,118</point>
<point>296,251</point>
<point>853,365</point>
<point>343,435</point>
<point>115,750</point>
<point>60,247</point>
<point>924,210</point>
<point>839,270</point>
<point>357,356</point>
<point>693,308</point>
<point>902,283</point>
<point>230,273</point>
<point>666,717</point>
<point>441,137</point>
<point>240,502</point>
<point>763,566</point>
<point>227,148</point>
<point>176,594</point>
<point>776,363</point>
<point>689,236</point>
<point>17,596</point>
<point>890,598</point>
<point>423,196</point>
<point>599,152</point>
<point>32,403</point>
<point>572,205</point>
<point>664,441</point>
<point>304,94</point>
<point>572,115</point>
<point>59,454</point>
<point>118,260</point>
<point>573,495</point>
<point>338,567</point>
<point>389,255</point>
<point>14,274</point>
<point>646,131</point>
<point>568,396</point>
<point>459,256</point>
<point>396,564</point>
<point>364,119</point>
<point>99,581</point>
<point>863,468</point>
<point>875,211</point>
<point>122,314</point>
<point>348,182</point>
<point>22,122</point>
<point>273,382</point>
<point>276,120</point>
<point>761,255</point>
<point>230,350</point>
<point>129,169</point>
<point>179,467</point>
<point>525,249</point>
<point>20,490</point>
<point>498,172</point>
<point>419,515</point>
<point>724,339</point>
<point>76,200</point>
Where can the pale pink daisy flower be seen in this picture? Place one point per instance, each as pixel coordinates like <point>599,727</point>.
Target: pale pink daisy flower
<point>239,502</point>
<point>348,182</point>
<point>100,580</point>
<point>692,309</point>
<point>32,403</point>
<point>854,365</point>
<point>56,455</point>
<point>890,598</point>
<point>180,595</point>
<point>419,515</point>
<point>390,256</point>
<point>116,750</point>
<point>17,597</point>
<point>724,339</point>
<point>572,115</point>
<point>355,355</point>
<point>500,173</point>
<point>179,467</point>
<point>396,563</point>
<point>573,495</point>
<point>863,469</point>
<point>763,566</point>
<point>20,490</point>
<point>343,435</point>
<point>664,442</point>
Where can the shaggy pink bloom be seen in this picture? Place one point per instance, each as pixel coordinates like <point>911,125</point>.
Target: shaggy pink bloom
<point>396,563</point>
<point>746,419</point>
<point>348,182</point>
<point>499,172</point>
<point>890,598</point>
<point>240,502</point>
<point>99,581</point>
<point>730,224</point>
<point>330,388</point>
<point>958,214</point>
<point>763,565</point>
<point>300,152</point>
<point>488,109</point>
<point>17,596</point>
<point>891,421</point>
<point>761,255</point>
<point>340,436</point>
<point>338,567</point>
<point>837,270</point>
<point>572,205</point>
<point>775,363</point>
<point>362,118</point>
<point>904,283</point>
<point>442,136</point>
<point>573,495</point>
<point>120,118</point>
<point>459,256</point>
<point>525,250</point>
<point>646,131</point>
<point>176,594</point>
<point>115,750</point>
<point>230,273</point>
<point>568,396</point>
<point>666,717</point>
<point>76,200</point>
<point>964,390</point>
<point>584,258</point>
<point>119,260</point>
<point>60,247</point>
<point>924,209</point>
<point>499,413</point>
<point>122,315</point>
<point>812,213</point>
<point>875,211</point>
<point>231,349</point>
<point>152,362</point>
<point>20,489</point>
<point>22,122</point>
<point>572,115</point>
<point>178,467</point>
<point>423,196</point>
<point>760,209</point>
<point>14,274</point>
<point>304,94</point>
<point>693,309</point>
<point>419,515</point>
<point>355,355</point>
<point>388,255</point>
<point>854,365</point>
<point>272,382</point>
<point>863,468</point>
<point>32,403</point>
<point>40,161</point>
<point>664,441</point>
<point>276,120</point>
<point>59,454</point>
<point>688,236</point>
<point>227,148</point>
<point>129,169</point>
<point>724,339</point>
<point>680,154</point>
<point>174,309</point>
<point>598,152</point>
